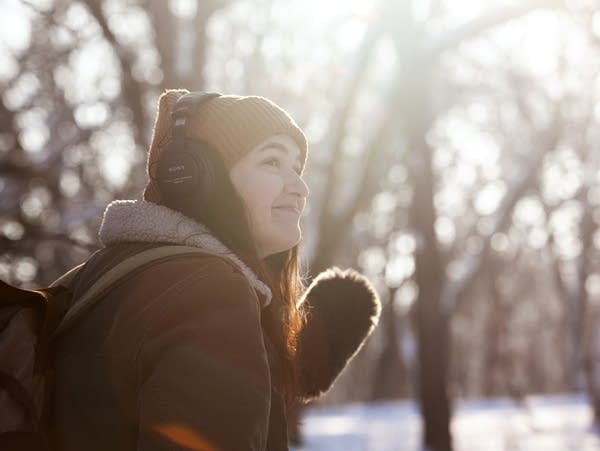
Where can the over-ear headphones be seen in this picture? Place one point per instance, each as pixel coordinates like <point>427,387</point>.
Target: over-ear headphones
<point>185,172</point>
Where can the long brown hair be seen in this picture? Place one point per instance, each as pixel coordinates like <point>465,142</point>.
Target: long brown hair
<point>224,213</point>
<point>285,317</point>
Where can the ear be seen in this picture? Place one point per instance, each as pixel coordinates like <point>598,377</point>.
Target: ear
<point>342,310</point>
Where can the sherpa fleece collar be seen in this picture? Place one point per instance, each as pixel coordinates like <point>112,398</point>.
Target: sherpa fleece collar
<point>138,220</point>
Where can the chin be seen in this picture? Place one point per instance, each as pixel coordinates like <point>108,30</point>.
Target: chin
<point>283,243</point>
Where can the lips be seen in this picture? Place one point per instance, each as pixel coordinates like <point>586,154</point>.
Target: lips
<point>288,208</point>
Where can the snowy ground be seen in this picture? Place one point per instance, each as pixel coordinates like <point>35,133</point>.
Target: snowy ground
<point>541,423</point>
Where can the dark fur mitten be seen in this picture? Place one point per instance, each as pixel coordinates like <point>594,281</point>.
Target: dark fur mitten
<point>342,310</point>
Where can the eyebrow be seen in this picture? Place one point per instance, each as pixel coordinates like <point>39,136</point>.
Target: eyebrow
<point>281,148</point>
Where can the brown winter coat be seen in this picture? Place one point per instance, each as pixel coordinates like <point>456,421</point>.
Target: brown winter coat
<point>175,357</point>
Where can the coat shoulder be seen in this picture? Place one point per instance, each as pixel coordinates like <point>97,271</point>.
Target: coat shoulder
<point>107,258</point>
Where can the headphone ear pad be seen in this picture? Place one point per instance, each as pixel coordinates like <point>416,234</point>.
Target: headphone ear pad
<point>207,177</point>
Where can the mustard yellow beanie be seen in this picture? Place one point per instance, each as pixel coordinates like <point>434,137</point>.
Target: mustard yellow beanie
<point>232,125</point>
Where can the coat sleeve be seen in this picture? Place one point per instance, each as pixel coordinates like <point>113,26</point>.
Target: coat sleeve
<point>205,375</point>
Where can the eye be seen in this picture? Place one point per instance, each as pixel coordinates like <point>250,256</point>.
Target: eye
<point>274,162</point>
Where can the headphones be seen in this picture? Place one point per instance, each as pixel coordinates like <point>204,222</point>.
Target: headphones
<point>186,173</point>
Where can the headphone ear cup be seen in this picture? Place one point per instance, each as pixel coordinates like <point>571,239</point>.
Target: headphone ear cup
<point>188,180</point>
<point>177,174</point>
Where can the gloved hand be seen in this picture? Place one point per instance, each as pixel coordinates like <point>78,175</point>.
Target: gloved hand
<point>342,311</point>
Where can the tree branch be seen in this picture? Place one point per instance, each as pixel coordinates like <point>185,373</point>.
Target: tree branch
<point>132,89</point>
<point>327,221</point>
<point>453,290</point>
<point>454,38</point>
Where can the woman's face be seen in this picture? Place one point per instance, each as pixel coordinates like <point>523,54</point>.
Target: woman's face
<point>268,180</point>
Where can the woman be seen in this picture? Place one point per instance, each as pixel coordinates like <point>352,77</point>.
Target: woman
<point>204,351</point>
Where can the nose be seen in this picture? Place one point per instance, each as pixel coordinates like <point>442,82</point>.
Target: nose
<point>296,185</point>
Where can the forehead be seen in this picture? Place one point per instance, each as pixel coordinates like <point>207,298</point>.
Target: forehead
<point>283,143</point>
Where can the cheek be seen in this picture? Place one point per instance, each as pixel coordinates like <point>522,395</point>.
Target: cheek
<point>258,198</point>
<point>259,191</point>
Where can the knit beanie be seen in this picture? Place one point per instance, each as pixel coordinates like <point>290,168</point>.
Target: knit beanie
<point>232,125</point>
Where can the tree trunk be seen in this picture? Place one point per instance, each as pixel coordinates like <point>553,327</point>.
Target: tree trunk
<point>496,322</point>
<point>390,374</point>
<point>431,324</point>
<point>585,335</point>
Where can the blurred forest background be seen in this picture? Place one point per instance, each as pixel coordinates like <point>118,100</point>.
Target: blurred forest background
<point>453,159</point>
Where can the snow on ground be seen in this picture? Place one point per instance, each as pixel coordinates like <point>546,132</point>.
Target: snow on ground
<point>551,423</point>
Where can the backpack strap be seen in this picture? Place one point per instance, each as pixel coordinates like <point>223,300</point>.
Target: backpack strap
<point>115,275</point>
<point>66,279</point>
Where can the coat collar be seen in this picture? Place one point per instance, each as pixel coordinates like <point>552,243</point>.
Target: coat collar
<point>141,221</point>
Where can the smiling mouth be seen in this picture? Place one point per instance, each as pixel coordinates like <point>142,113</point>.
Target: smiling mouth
<point>294,210</point>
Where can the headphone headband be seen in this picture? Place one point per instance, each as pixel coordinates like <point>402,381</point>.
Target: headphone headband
<point>187,105</point>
